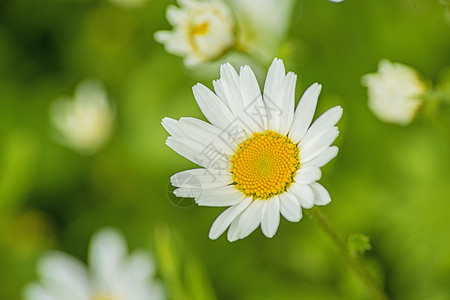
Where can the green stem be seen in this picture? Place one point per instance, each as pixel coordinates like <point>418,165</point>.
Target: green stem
<point>352,261</point>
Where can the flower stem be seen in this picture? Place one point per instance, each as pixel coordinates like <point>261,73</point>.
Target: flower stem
<point>352,261</point>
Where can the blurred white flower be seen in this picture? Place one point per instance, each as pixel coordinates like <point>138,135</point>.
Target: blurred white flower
<point>203,30</point>
<point>394,92</point>
<point>85,122</point>
<point>336,1</point>
<point>113,274</point>
<point>262,26</point>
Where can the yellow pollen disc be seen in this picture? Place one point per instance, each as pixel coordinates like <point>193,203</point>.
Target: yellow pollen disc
<point>265,165</point>
<point>200,29</point>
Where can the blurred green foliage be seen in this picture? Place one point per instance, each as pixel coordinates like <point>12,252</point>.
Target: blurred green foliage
<point>358,243</point>
<point>390,183</point>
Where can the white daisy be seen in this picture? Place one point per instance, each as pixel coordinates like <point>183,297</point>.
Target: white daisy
<point>113,274</point>
<point>203,30</point>
<point>393,92</point>
<point>85,122</point>
<point>258,155</point>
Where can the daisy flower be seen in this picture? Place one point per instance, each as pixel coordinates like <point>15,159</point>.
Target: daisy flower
<point>84,122</point>
<point>393,92</point>
<point>257,155</point>
<point>113,274</point>
<point>203,30</point>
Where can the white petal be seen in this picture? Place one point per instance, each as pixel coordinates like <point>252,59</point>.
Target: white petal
<point>190,60</point>
<point>173,42</point>
<point>246,222</point>
<point>323,158</point>
<point>321,195</point>
<point>304,194</point>
<point>107,254</point>
<point>35,291</point>
<point>218,89</point>
<point>290,207</point>
<point>212,107</point>
<point>254,107</point>
<point>207,135</point>
<point>197,153</point>
<point>224,196</point>
<point>275,76</point>
<point>135,278</point>
<point>201,178</point>
<point>175,15</point>
<point>172,127</point>
<point>308,174</point>
<point>231,88</point>
<point>270,219</point>
<point>326,120</point>
<point>163,36</point>
<point>224,220</point>
<point>304,112</point>
<point>187,192</point>
<point>287,103</point>
<point>315,145</point>
<point>233,231</point>
<point>64,276</point>
<point>273,93</point>
<point>229,80</point>
<point>155,291</point>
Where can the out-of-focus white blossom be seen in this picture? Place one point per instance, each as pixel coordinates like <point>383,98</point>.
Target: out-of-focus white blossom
<point>85,122</point>
<point>203,30</point>
<point>336,1</point>
<point>262,26</point>
<point>394,92</point>
<point>113,274</point>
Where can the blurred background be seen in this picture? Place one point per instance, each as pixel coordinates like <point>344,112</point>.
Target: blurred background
<point>388,182</point>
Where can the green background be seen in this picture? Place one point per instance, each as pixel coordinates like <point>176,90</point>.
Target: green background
<point>388,182</point>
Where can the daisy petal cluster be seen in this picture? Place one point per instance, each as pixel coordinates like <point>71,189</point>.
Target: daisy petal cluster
<point>394,92</point>
<point>203,30</point>
<point>258,156</point>
<point>113,274</point>
<point>85,122</point>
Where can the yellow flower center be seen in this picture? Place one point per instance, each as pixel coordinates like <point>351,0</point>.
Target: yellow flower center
<point>200,29</point>
<point>265,165</point>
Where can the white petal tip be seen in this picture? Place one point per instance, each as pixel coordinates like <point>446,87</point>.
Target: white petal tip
<point>232,239</point>
<point>213,237</point>
<point>277,60</point>
<point>226,65</point>
<point>166,120</point>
